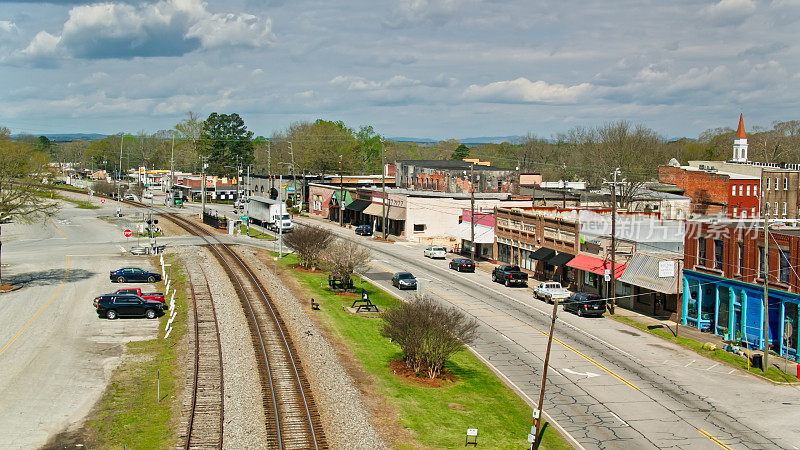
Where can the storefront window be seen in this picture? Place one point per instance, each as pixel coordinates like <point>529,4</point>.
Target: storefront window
<point>504,253</point>
<point>708,303</point>
<point>691,305</point>
<point>790,326</point>
<point>723,294</point>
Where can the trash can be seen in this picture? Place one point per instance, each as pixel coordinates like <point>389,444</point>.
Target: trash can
<point>757,360</point>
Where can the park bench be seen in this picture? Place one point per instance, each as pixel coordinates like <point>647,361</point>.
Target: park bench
<point>335,282</point>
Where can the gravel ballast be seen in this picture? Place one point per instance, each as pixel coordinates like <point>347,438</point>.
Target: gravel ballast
<point>345,416</point>
<point>244,413</point>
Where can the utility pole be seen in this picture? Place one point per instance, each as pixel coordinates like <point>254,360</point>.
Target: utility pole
<point>383,188</point>
<point>294,183</point>
<point>613,281</point>
<point>203,183</point>
<point>119,173</point>
<point>280,219</point>
<point>269,164</point>
<point>537,415</point>
<point>766,286</point>
<point>172,166</point>
<point>247,204</point>
<point>341,193</point>
<point>472,209</point>
<point>564,186</point>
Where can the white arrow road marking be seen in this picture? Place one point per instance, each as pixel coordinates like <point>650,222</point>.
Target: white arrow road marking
<point>587,374</point>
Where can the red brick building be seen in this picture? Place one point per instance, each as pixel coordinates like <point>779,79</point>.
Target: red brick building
<point>713,192</point>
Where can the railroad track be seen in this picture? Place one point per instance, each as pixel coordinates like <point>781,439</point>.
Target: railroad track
<point>292,419</point>
<point>204,427</point>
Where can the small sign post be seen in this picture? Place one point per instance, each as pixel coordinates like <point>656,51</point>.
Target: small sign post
<point>472,437</point>
<point>127,233</point>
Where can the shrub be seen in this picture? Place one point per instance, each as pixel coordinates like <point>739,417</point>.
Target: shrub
<point>344,258</point>
<point>308,242</point>
<point>428,333</point>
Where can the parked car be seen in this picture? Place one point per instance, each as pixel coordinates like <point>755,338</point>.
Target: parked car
<point>462,265</point>
<point>133,274</point>
<point>147,194</point>
<point>404,280</point>
<point>364,230</point>
<point>112,306</point>
<point>509,275</point>
<point>153,296</point>
<point>435,252</point>
<point>584,304</point>
<point>129,197</point>
<point>550,290</point>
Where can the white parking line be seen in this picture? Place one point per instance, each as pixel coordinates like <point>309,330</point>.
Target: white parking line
<point>620,419</point>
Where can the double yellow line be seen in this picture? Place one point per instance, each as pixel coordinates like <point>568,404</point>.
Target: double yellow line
<point>713,439</point>
<point>39,312</point>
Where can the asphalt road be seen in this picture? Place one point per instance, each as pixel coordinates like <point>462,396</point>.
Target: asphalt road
<point>609,386</point>
<point>56,355</point>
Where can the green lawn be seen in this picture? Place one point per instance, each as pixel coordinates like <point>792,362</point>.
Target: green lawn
<point>437,417</point>
<point>255,233</point>
<point>129,413</point>
<point>718,354</point>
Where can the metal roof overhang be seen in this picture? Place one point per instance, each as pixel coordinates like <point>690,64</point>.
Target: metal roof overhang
<point>560,259</point>
<point>543,254</point>
<point>595,265</point>
<point>358,205</point>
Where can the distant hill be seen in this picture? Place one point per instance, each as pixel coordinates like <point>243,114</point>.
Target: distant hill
<point>67,137</point>
<point>466,141</point>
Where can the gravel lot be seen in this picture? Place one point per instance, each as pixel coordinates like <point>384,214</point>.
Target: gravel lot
<point>244,412</point>
<point>345,416</point>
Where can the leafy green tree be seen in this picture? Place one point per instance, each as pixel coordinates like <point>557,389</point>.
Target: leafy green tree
<point>187,142</point>
<point>226,141</point>
<point>368,148</point>
<point>461,152</point>
<point>21,188</point>
<point>42,144</point>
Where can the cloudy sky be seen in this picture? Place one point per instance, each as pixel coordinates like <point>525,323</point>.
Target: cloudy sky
<point>421,68</point>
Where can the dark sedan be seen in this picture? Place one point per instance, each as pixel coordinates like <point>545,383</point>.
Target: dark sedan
<point>112,306</point>
<point>404,280</point>
<point>364,230</point>
<point>132,274</point>
<point>462,265</point>
<point>584,304</point>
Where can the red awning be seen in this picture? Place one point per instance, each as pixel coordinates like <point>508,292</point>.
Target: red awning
<point>595,265</point>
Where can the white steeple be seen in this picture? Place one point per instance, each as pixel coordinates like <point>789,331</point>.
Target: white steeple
<point>740,143</point>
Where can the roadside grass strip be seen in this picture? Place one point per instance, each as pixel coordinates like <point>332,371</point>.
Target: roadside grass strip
<point>716,354</point>
<point>130,414</point>
<point>437,416</point>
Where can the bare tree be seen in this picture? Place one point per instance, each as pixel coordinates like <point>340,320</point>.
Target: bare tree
<point>22,172</point>
<point>308,242</point>
<point>428,333</point>
<point>344,258</point>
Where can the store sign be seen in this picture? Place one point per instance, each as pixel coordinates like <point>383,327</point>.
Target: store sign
<point>666,269</point>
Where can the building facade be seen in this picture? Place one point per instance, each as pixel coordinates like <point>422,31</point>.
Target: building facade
<point>454,176</point>
<point>714,192</point>
<point>723,283</point>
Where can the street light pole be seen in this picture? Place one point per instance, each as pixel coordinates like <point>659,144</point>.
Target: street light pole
<point>472,210</point>
<point>341,193</point>
<point>765,338</point>
<point>383,188</point>
<point>203,183</point>
<point>613,281</point>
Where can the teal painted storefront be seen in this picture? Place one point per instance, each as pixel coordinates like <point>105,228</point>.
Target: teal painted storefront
<point>735,310</point>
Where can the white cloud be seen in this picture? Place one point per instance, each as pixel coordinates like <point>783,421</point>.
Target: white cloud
<point>361,84</point>
<point>523,90</point>
<point>416,12</point>
<point>164,28</point>
<point>729,12</point>
<point>7,26</point>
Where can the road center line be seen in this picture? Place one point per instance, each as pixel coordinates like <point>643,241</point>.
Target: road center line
<point>57,229</point>
<point>713,439</point>
<point>32,319</point>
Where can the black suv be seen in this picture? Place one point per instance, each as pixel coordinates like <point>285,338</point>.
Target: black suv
<point>114,305</point>
<point>584,304</point>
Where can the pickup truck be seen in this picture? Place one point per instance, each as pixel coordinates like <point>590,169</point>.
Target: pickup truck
<point>154,296</point>
<point>550,290</point>
<point>509,275</point>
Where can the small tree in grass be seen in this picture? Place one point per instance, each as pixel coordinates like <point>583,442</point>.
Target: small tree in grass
<point>428,333</point>
<point>308,243</point>
<point>344,258</point>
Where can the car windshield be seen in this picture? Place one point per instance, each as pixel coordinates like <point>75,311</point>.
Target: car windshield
<point>438,249</point>
<point>405,276</point>
<point>285,217</point>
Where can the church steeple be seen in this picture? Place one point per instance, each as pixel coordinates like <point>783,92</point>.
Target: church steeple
<point>740,143</point>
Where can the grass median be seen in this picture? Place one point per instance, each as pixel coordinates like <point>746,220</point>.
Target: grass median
<point>436,416</point>
<point>130,413</point>
<point>716,354</point>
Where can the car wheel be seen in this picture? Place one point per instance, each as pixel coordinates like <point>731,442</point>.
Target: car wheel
<point>150,314</point>
<point>111,314</point>
<point>494,278</point>
<point>507,283</point>
<point>458,268</point>
<point>580,312</point>
<point>120,279</point>
<point>151,279</point>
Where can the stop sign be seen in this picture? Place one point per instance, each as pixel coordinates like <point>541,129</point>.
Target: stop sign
<point>127,233</point>
<point>102,200</point>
